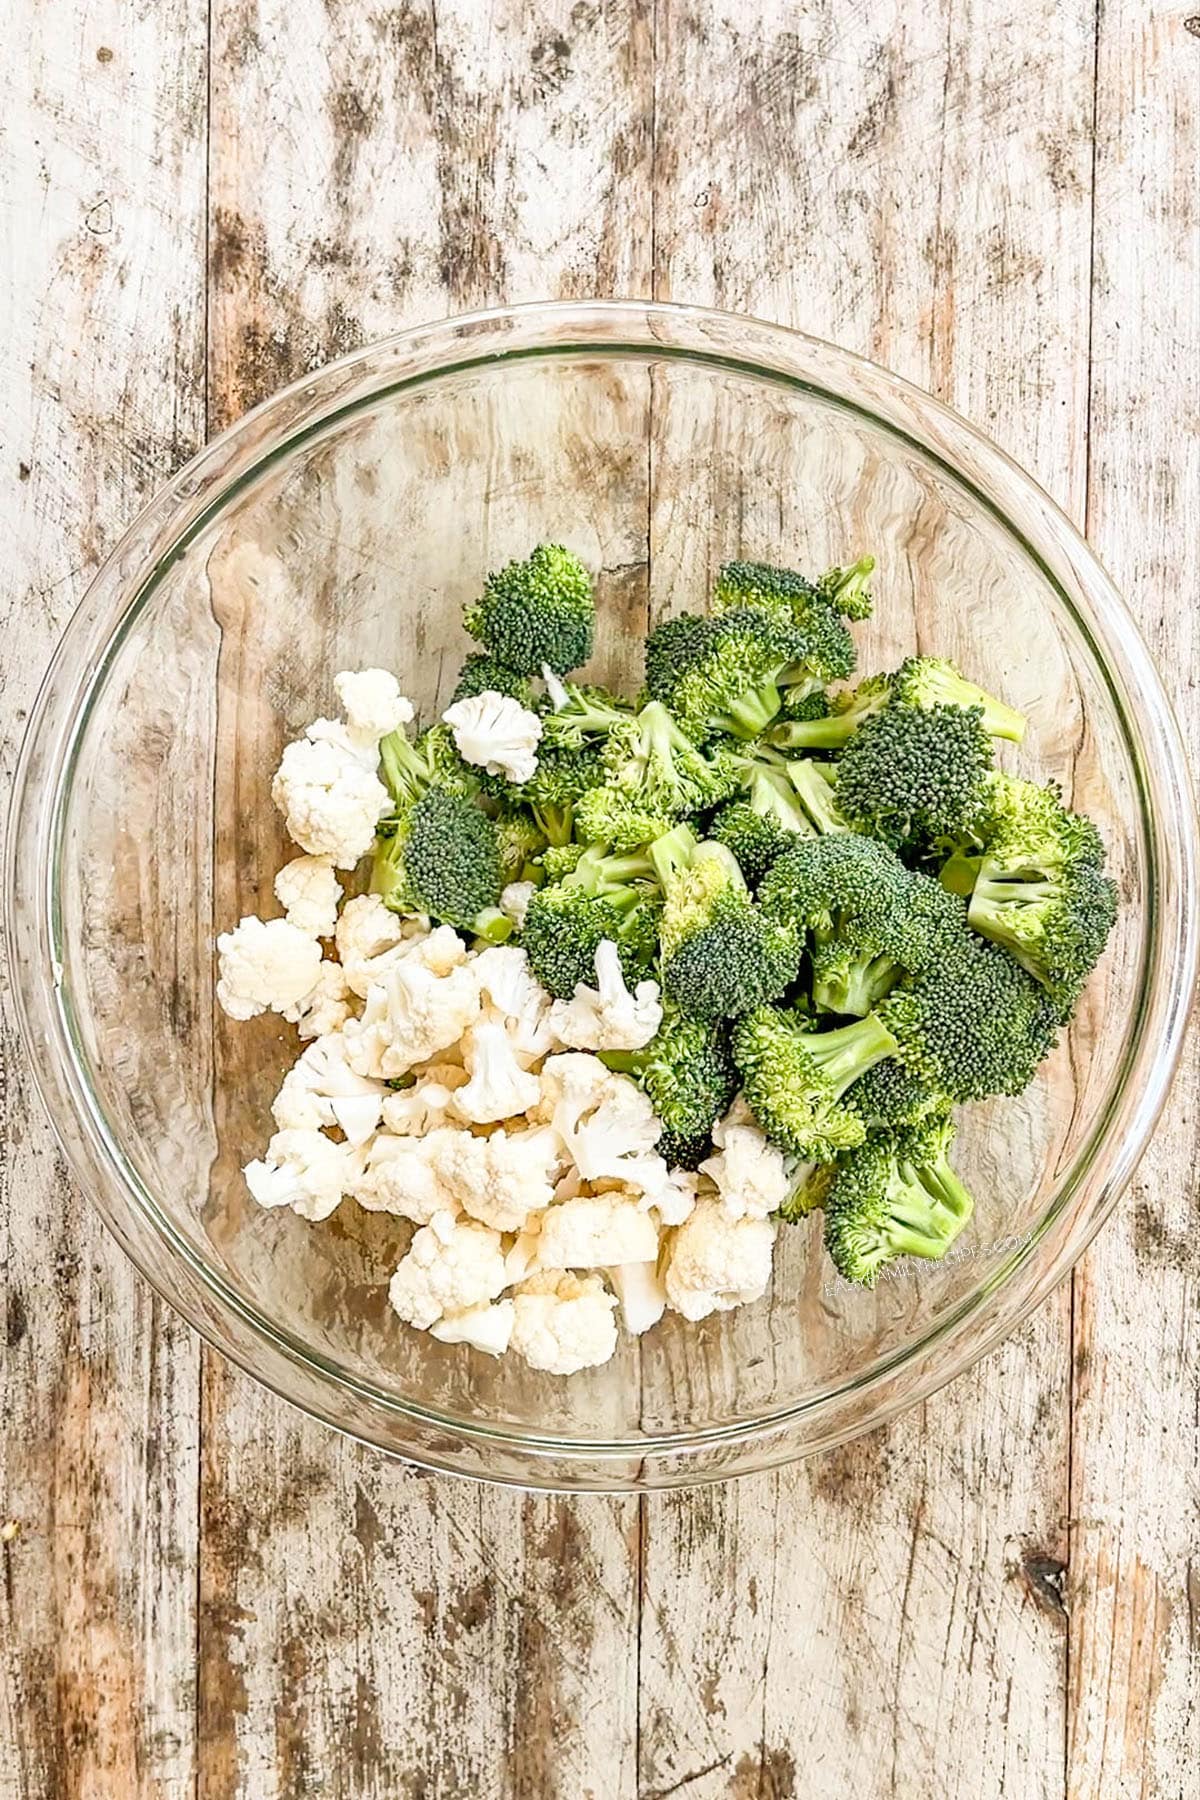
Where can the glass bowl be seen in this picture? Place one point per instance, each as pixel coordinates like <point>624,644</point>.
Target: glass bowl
<point>344,524</point>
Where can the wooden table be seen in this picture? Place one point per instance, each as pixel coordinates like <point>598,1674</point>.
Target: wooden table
<point>203,1594</point>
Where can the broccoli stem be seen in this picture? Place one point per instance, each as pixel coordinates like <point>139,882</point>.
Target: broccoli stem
<point>857,989</point>
<point>845,1054</point>
<point>943,1186</point>
<point>815,734</point>
<point>750,716</point>
<point>816,793</point>
<point>556,823</point>
<point>493,926</point>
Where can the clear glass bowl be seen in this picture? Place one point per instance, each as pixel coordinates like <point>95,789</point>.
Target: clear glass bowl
<point>344,524</point>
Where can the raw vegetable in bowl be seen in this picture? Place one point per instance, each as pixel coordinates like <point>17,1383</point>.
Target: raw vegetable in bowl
<point>640,981</point>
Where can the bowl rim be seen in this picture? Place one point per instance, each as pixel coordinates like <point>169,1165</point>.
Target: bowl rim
<point>204,486</point>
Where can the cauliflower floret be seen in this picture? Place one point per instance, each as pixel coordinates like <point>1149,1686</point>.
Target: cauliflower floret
<point>327,1007</point>
<point>371,939</point>
<point>487,1328</point>
<point>402,1176</point>
<point>496,733</point>
<point>330,800</point>
<point>672,1199</point>
<point>505,978</point>
<point>604,1119</point>
<point>521,1259</point>
<point>749,1171</point>
<point>515,898</point>
<point>322,1089</point>
<point>372,702</point>
<point>499,1087</point>
<point>642,1294</point>
<point>715,1262</point>
<point>309,891</point>
<point>423,1107</point>
<point>265,964</point>
<point>417,1012</point>
<point>595,1230</point>
<point>503,1178</point>
<point>452,1264</point>
<point>608,1016</point>
<point>304,1170</point>
<point>563,1323</point>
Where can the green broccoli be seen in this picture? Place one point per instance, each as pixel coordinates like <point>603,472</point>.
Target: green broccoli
<point>563,775</point>
<point>654,767</point>
<point>973,1024</point>
<point>409,766</point>
<point>912,775</point>
<point>895,1196</point>
<point>720,955</point>
<point>607,815</point>
<point>574,716</point>
<point>756,839</point>
<point>810,1184</point>
<point>836,724</point>
<point>687,1072</point>
<point>889,1095</point>
<point>846,590</point>
<point>725,674</point>
<point>600,897</point>
<point>521,841</point>
<point>797,704</point>
<point>441,855</point>
<point>793,1078</point>
<point>482,674</point>
<point>538,611</point>
<point>1040,892</point>
<point>926,682</point>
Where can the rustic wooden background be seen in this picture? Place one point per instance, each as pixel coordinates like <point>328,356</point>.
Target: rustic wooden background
<point>204,1595</point>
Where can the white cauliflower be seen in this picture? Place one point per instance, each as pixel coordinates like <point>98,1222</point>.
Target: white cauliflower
<point>521,1259</point>
<point>674,1198</point>
<point>427,1002</point>
<point>750,1173</point>
<point>499,1087</point>
<point>507,981</point>
<point>423,1107</point>
<point>326,1007</point>
<point>265,964</point>
<point>330,799</point>
<point>304,1170</point>
<point>608,1016</point>
<point>321,1089</point>
<point>503,1178</point>
<point>606,1122</point>
<point>487,1328</point>
<point>563,1323</point>
<point>366,931</point>
<point>452,1264</point>
<point>401,1176</point>
<point>514,900</point>
<point>309,891</point>
<point>596,1230</point>
<point>496,733</point>
<point>642,1295</point>
<point>715,1262</point>
<point>372,702</point>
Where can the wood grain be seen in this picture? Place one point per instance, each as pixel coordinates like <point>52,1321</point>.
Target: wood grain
<point>101,363</point>
<point>1133,1572</point>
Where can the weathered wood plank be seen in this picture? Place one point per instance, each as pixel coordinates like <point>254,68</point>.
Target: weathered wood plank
<point>915,185</point>
<point>366,1630</point>
<point>1133,1578</point>
<point>102,367</point>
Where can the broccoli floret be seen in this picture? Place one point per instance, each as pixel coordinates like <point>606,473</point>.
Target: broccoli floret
<point>929,681</point>
<point>606,815</point>
<point>847,590</point>
<point>482,674</point>
<point>1039,892</point>
<point>720,955</point>
<point>558,860</point>
<point>911,775</point>
<point>522,841</point>
<point>801,706</point>
<point>600,897</point>
<point>755,839</point>
<point>563,775</point>
<point>889,1095</point>
<point>687,1073</point>
<point>408,767</point>
<point>844,712</point>
<point>653,766</point>
<point>725,674</point>
<point>575,716</point>
<point>811,1182</point>
<point>895,1196</point>
<point>538,611</point>
<point>440,856</point>
<point>793,1078</point>
<point>973,1024</point>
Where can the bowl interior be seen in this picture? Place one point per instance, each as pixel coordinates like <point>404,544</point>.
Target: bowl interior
<point>359,546</point>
